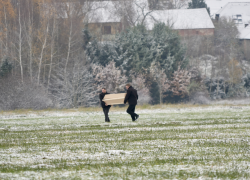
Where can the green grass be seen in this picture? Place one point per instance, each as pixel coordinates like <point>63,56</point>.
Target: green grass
<point>168,142</point>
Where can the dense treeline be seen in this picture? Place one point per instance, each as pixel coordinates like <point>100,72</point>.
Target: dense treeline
<point>50,59</point>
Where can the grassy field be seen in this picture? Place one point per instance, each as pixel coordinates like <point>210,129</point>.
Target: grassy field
<point>168,142</point>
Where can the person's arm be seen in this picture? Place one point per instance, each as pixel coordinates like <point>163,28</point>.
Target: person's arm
<point>102,102</point>
<point>136,95</point>
<point>127,96</point>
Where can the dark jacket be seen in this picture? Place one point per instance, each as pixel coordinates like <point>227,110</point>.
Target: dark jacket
<point>131,96</point>
<point>101,96</point>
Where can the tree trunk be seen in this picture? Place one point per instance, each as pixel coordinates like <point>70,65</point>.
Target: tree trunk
<point>41,56</point>
<point>51,54</point>
<point>69,48</point>
<point>160,92</point>
<point>6,34</point>
<point>20,44</point>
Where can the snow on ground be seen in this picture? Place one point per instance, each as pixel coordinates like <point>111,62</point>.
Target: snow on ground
<point>208,142</point>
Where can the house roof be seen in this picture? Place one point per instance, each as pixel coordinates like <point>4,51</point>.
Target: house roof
<point>233,9</point>
<point>181,18</point>
<point>216,5</point>
<point>240,12</point>
<point>244,32</point>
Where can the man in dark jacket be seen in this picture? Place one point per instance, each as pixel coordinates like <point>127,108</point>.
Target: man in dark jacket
<point>131,98</point>
<point>105,107</point>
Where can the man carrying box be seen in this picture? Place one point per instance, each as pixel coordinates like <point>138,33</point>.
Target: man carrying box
<point>132,98</point>
<point>105,107</point>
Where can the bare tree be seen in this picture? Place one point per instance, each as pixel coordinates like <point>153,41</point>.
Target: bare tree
<point>43,39</point>
<point>167,4</point>
<point>69,46</point>
<point>52,44</point>
<point>76,89</point>
<point>160,77</point>
<point>29,37</point>
<point>179,4</point>
<point>142,11</point>
<point>20,42</point>
<point>131,12</point>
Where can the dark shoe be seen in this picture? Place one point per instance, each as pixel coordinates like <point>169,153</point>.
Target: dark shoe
<point>135,118</point>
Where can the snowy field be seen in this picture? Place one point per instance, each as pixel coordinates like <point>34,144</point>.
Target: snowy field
<point>208,142</point>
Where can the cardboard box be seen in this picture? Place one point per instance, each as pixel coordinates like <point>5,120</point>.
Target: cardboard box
<point>111,99</point>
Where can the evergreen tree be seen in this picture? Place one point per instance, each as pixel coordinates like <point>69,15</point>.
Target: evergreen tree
<point>198,4</point>
<point>134,49</point>
<point>168,48</point>
<point>101,52</point>
<point>137,48</point>
<point>5,68</point>
<point>86,36</point>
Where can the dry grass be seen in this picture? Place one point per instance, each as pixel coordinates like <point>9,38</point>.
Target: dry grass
<point>124,107</point>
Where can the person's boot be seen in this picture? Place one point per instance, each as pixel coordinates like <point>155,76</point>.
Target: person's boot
<point>107,120</point>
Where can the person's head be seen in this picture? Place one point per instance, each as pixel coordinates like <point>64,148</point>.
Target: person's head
<point>127,86</point>
<point>104,90</point>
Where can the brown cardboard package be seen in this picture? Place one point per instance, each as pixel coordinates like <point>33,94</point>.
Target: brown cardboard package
<point>111,99</point>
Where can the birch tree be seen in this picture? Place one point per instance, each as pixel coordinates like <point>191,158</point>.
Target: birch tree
<point>52,44</point>
<point>20,41</point>
<point>30,32</point>
<point>43,39</point>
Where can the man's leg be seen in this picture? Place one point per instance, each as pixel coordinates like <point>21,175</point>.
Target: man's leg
<point>106,113</point>
<point>135,115</point>
<point>131,111</point>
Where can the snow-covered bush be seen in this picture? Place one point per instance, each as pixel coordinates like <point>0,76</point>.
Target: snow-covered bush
<point>109,77</point>
<point>27,95</point>
<point>200,98</point>
<point>217,87</point>
<point>139,83</point>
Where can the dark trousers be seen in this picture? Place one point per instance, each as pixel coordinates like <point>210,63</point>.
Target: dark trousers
<point>131,111</point>
<point>106,113</point>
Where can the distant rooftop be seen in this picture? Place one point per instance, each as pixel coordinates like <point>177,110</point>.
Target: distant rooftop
<point>181,18</point>
<point>239,11</point>
<point>216,5</point>
<point>244,32</point>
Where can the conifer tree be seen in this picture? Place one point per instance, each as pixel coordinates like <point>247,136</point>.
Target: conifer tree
<point>5,68</point>
<point>136,48</point>
<point>198,4</point>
